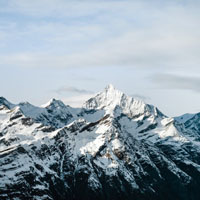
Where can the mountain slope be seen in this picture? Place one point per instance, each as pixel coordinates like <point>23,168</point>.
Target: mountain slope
<point>114,147</point>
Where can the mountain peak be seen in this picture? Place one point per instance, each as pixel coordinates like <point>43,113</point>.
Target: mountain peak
<point>53,100</point>
<point>113,102</point>
<point>109,87</point>
<point>24,103</point>
<point>2,101</point>
<point>111,98</point>
<point>5,102</point>
<point>54,103</point>
<point>108,97</point>
<point>2,98</point>
<point>112,90</point>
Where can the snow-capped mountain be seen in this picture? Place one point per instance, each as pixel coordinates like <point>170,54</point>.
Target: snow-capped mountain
<point>114,147</point>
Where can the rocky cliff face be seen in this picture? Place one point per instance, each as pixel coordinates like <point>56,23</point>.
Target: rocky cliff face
<point>114,147</point>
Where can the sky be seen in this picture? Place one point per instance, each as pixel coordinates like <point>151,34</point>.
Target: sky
<point>72,49</point>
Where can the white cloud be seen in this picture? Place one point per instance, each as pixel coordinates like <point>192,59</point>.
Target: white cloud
<point>141,97</point>
<point>116,33</point>
<point>77,101</point>
<point>171,81</point>
<point>70,89</point>
<point>68,8</point>
<point>135,48</point>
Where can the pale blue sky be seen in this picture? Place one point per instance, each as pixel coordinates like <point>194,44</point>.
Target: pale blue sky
<point>72,49</point>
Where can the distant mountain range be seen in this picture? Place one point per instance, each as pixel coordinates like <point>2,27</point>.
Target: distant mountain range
<point>113,148</point>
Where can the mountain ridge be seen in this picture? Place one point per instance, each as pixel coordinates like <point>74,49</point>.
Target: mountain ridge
<point>114,147</point>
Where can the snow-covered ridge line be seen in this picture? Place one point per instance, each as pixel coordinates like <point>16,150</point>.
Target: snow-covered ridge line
<point>114,147</point>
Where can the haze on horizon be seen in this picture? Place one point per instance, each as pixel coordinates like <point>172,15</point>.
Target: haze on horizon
<point>72,49</point>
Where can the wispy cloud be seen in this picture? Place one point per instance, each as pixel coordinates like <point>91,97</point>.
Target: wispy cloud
<point>106,33</point>
<point>141,97</point>
<point>74,90</point>
<point>171,81</point>
<point>134,49</point>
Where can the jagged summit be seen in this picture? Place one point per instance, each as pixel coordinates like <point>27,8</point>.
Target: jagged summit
<point>54,103</point>
<point>111,100</point>
<point>2,99</point>
<point>5,102</point>
<point>110,87</point>
<point>110,96</point>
